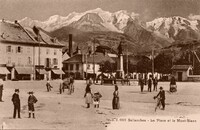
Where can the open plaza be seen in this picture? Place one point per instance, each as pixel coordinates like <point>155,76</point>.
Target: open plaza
<point>63,111</point>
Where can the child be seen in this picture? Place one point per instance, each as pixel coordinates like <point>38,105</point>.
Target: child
<point>31,100</point>
<point>96,99</point>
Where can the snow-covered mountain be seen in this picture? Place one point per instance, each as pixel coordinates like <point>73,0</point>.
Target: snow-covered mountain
<point>175,28</point>
<point>106,20</point>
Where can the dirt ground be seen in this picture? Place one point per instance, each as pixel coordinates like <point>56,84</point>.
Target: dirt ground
<point>63,111</point>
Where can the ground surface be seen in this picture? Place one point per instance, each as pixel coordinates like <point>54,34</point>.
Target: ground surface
<point>63,111</point>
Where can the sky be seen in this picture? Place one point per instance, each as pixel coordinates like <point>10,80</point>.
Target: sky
<point>147,9</point>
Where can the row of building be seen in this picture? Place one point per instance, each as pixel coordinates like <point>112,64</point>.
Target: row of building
<point>31,54</point>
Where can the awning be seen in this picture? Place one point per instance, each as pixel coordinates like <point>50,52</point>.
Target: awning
<point>42,71</point>
<point>4,70</point>
<point>58,72</point>
<point>24,70</point>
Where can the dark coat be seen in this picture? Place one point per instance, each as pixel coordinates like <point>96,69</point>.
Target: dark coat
<point>32,99</point>
<point>161,94</point>
<point>15,99</point>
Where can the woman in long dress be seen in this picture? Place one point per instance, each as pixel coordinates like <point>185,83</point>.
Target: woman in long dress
<point>88,96</point>
<point>115,101</point>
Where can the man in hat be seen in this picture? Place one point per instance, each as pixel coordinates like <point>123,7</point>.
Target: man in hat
<point>1,89</point>
<point>161,95</point>
<point>16,103</point>
<point>31,100</point>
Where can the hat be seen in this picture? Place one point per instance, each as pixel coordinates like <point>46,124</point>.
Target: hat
<point>161,88</point>
<point>16,90</point>
<point>31,92</point>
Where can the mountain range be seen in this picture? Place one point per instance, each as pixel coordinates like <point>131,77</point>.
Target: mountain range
<point>111,28</point>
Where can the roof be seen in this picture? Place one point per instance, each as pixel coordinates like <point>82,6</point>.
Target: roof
<point>24,70</point>
<point>13,32</point>
<point>44,37</point>
<point>181,67</point>
<point>98,58</point>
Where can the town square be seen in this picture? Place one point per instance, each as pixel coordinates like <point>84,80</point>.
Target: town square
<point>63,111</point>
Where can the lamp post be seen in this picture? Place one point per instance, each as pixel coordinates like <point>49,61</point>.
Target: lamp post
<point>93,60</point>
<point>127,58</point>
<point>153,63</point>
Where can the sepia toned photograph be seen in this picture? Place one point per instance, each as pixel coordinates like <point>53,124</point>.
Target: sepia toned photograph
<point>99,64</point>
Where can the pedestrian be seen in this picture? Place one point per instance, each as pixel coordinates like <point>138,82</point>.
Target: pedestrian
<point>48,85</point>
<point>31,101</point>
<point>115,101</point>
<point>161,95</point>
<point>155,84</point>
<point>173,87</point>
<point>61,86</point>
<point>141,83</point>
<point>71,84</point>
<point>88,96</point>
<point>16,103</point>
<point>1,89</point>
<point>96,98</point>
<point>149,83</point>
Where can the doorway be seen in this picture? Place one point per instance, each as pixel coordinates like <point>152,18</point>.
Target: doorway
<point>180,76</point>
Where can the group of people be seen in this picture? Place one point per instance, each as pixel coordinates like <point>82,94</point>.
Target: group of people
<point>150,82</point>
<point>95,98</point>
<point>17,105</point>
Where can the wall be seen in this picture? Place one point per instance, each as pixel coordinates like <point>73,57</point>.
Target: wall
<point>50,55</point>
<point>23,59</point>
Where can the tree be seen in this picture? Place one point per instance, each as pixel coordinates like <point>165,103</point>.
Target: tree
<point>163,63</point>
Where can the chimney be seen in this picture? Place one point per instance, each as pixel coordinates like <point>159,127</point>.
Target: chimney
<point>70,45</point>
<point>16,22</point>
<point>78,50</point>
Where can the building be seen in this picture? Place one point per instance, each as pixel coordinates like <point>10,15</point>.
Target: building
<point>29,54</point>
<point>182,72</point>
<point>81,65</point>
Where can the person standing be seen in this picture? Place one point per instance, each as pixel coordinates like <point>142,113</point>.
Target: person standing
<point>149,83</point>
<point>173,86</point>
<point>1,89</point>
<point>155,84</point>
<point>48,85</point>
<point>88,95</point>
<point>71,84</point>
<point>161,95</point>
<point>31,100</point>
<point>115,101</point>
<point>141,83</point>
<point>16,103</point>
<point>96,98</point>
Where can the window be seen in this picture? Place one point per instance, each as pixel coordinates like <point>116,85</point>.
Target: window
<point>55,52</point>
<point>19,49</point>
<point>88,66</point>
<point>48,62</point>
<point>77,66</point>
<point>71,67</point>
<point>8,49</point>
<point>47,51</point>
<point>29,61</point>
<point>55,61</point>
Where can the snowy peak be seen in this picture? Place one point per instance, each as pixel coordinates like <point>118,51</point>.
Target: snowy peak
<point>111,21</point>
<point>173,26</point>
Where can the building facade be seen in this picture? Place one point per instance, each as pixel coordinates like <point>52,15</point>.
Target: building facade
<point>85,66</point>
<point>27,54</point>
